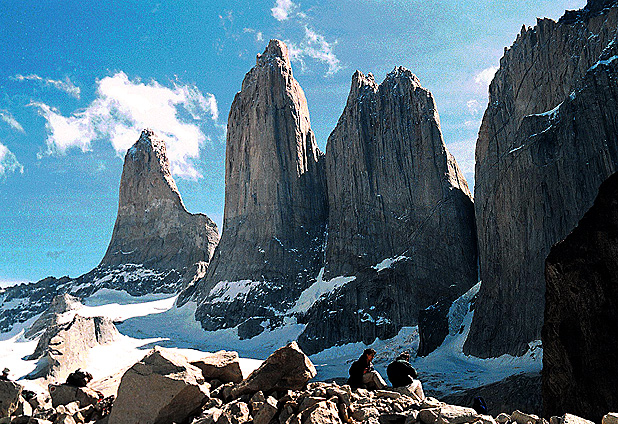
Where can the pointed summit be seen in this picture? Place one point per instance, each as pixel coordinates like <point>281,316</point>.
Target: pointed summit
<point>275,202</point>
<point>276,50</point>
<point>400,215</point>
<point>153,227</point>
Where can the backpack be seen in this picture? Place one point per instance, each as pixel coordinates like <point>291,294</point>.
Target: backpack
<point>479,405</point>
<point>79,378</point>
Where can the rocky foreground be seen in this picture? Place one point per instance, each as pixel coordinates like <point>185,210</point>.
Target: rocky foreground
<point>165,387</point>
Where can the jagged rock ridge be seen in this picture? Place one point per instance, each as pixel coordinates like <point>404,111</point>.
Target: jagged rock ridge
<point>275,205</point>
<point>580,335</point>
<point>547,141</point>
<point>401,217</point>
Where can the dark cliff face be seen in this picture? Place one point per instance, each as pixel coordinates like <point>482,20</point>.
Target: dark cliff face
<point>547,141</point>
<point>580,334</point>
<point>275,203</point>
<point>400,218</point>
<point>153,228</point>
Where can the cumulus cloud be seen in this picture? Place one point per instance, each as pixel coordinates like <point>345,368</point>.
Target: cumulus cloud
<point>8,162</point>
<point>124,107</point>
<point>11,121</point>
<point>484,77</point>
<point>283,9</point>
<point>65,85</point>
<point>315,46</point>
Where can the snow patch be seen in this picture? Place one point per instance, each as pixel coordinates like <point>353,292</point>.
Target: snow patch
<point>318,289</point>
<point>228,291</point>
<point>388,262</point>
<point>602,63</point>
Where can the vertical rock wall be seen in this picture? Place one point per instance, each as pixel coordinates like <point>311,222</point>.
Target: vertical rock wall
<point>547,141</point>
<point>275,203</point>
<point>401,218</point>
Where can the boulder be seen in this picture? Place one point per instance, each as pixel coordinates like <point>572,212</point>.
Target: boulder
<point>287,368</point>
<point>236,412</point>
<point>324,412</point>
<point>208,416</point>
<point>522,418</point>
<point>23,408</point>
<point>451,414</point>
<point>580,335</point>
<point>574,419</point>
<point>267,411</point>
<point>429,415</point>
<point>611,418</point>
<point>161,388</point>
<point>222,365</point>
<point>503,418</point>
<point>10,394</point>
<point>63,394</point>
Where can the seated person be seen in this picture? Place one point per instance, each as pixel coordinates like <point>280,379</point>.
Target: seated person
<point>363,375</point>
<point>402,374</point>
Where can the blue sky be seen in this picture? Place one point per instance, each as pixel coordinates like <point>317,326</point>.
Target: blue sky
<point>79,79</point>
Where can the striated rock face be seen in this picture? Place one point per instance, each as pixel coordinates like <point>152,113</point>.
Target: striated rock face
<point>153,227</point>
<point>547,141</point>
<point>580,335</point>
<point>401,217</point>
<point>275,206</point>
<point>65,347</point>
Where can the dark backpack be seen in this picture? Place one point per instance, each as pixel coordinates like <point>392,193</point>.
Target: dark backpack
<point>79,378</point>
<point>479,405</point>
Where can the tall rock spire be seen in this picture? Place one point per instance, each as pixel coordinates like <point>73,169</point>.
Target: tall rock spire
<point>275,203</point>
<point>401,217</point>
<point>153,228</point>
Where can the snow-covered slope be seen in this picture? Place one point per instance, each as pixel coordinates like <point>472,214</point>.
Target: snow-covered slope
<point>146,321</point>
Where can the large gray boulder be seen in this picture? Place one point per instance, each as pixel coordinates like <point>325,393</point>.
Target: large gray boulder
<point>10,393</point>
<point>223,366</point>
<point>401,216</point>
<point>580,335</point>
<point>161,388</point>
<point>153,227</point>
<point>286,368</point>
<point>65,347</point>
<point>275,203</point>
<point>63,394</point>
<point>547,141</point>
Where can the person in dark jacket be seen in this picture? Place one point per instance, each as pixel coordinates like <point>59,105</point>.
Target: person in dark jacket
<point>402,374</point>
<point>363,375</point>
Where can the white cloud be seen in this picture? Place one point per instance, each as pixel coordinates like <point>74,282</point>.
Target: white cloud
<point>11,121</point>
<point>484,77</point>
<point>258,34</point>
<point>8,162</point>
<point>315,46</point>
<point>474,106</point>
<point>283,9</point>
<point>124,107</point>
<point>65,85</point>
